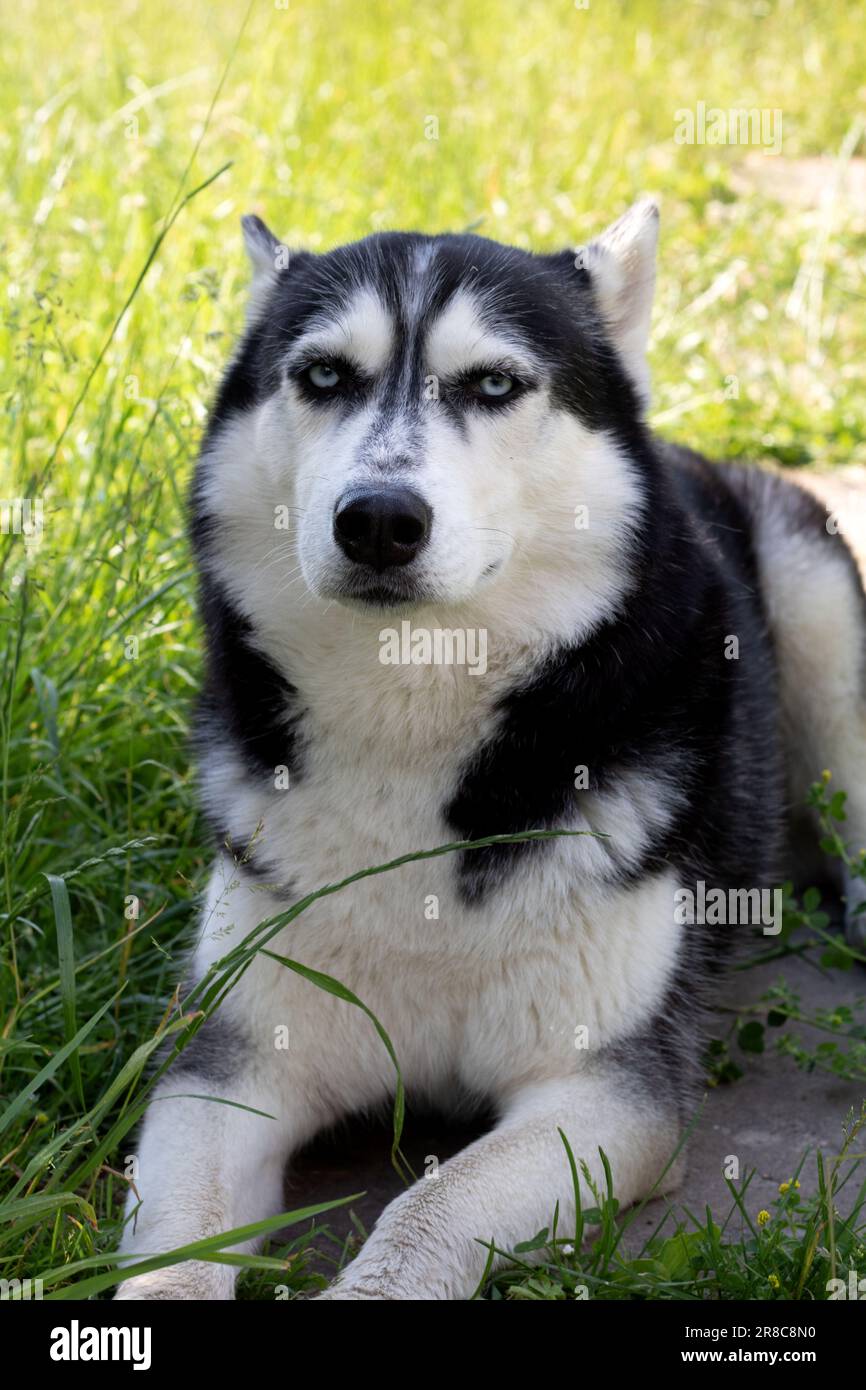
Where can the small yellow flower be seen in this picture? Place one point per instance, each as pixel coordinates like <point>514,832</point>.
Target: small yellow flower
<point>826,775</point>
<point>796,1182</point>
<point>773,1280</point>
<point>783,1188</point>
<point>763,1218</point>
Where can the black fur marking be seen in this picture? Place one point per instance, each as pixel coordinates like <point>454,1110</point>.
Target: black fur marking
<point>215,1054</point>
<point>662,1059</point>
<point>251,376</point>
<point>648,690</point>
<point>246,700</point>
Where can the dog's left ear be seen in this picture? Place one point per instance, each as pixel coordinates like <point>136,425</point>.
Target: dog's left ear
<point>621,264</point>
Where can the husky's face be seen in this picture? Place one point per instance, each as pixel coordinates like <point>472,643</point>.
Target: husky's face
<point>433,411</point>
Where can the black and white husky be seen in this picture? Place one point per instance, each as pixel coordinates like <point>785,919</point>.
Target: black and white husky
<point>452,587</point>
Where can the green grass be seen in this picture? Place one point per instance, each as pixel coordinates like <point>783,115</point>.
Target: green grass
<point>550,119</point>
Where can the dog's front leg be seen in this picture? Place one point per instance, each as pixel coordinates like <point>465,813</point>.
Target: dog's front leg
<point>505,1185</point>
<point>203,1166</point>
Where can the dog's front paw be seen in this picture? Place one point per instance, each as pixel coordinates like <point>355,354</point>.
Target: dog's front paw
<point>388,1277</point>
<point>373,1278</point>
<point>341,1293</point>
<point>192,1282</point>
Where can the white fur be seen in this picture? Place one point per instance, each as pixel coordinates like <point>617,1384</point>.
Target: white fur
<point>364,333</point>
<point>459,340</point>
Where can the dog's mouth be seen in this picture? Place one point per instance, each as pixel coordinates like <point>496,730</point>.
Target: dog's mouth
<point>366,588</point>
<point>362,586</point>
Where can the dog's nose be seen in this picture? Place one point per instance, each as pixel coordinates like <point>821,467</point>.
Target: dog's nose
<point>382,526</point>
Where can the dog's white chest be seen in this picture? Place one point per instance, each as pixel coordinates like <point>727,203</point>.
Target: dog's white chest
<point>552,964</point>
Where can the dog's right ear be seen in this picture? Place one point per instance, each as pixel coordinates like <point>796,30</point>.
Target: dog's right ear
<point>267,254</point>
<point>269,259</point>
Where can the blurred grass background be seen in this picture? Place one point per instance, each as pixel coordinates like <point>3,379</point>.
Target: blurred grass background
<point>551,118</point>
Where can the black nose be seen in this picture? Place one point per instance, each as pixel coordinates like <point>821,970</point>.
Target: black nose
<point>382,526</point>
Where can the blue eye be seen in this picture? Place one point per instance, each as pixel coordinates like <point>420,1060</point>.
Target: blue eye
<point>495,385</point>
<point>323,377</point>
